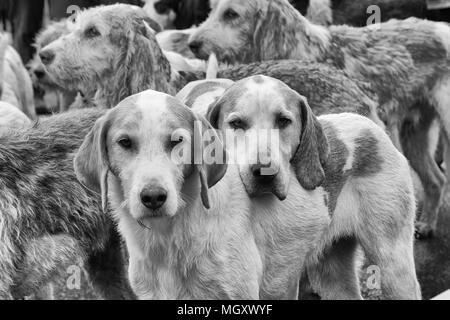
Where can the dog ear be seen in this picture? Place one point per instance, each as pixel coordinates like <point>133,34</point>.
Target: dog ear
<point>269,43</point>
<point>140,65</point>
<point>91,162</point>
<point>310,158</point>
<point>151,25</point>
<point>213,114</point>
<point>211,167</point>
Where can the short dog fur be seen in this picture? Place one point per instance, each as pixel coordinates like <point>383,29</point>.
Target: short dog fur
<point>414,54</point>
<point>238,249</point>
<point>366,181</point>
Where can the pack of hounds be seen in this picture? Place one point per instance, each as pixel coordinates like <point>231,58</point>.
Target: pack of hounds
<point>358,110</point>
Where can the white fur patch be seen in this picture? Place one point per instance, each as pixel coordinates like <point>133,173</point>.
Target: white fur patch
<point>443,31</point>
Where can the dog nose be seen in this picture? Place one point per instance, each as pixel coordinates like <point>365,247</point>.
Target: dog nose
<point>195,46</point>
<point>263,171</point>
<point>39,73</point>
<point>47,56</point>
<point>153,198</point>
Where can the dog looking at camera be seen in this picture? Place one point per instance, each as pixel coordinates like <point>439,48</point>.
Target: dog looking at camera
<point>366,183</point>
<point>391,52</point>
<point>191,229</point>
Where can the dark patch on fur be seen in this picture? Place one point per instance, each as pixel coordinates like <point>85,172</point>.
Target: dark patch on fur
<point>258,79</point>
<point>367,155</point>
<point>38,182</point>
<point>335,177</point>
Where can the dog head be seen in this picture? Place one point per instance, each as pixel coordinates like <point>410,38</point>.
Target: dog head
<point>248,31</point>
<point>108,47</point>
<point>268,127</point>
<point>149,148</point>
<point>41,79</point>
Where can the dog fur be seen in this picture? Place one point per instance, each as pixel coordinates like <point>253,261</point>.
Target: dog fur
<point>413,54</point>
<point>109,54</point>
<point>47,218</point>
<point>366,180</point>
<point>238,249</point>
<point>42,82</point>
<point>16,88</point>
<point>326,88</point>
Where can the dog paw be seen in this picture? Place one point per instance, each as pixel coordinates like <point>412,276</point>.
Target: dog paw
<point>423,231</point>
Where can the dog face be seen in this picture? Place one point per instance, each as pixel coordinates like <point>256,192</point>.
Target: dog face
<point>271,127</point>
<point>100,42</point>
<point>41,79</point>
<point>228,31</point>
<point>139,144</point>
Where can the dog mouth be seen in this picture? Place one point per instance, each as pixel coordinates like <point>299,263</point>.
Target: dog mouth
<point>265,185</point>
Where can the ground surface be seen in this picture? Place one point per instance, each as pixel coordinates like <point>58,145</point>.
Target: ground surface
<point>432,261</point>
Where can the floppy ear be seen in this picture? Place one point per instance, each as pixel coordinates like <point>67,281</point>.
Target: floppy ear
<point>275,31</point>
<point>213,114</point>
<point>91,162</point>
<point>211,170</point>
<point>312,154</point>
<point>141,65</point>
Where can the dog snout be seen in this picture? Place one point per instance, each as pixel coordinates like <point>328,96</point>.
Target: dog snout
<point>264,171</point>
<point>153,197</point>
<point>196,46</point>
<point>39,73</point>
<point>47,56</point>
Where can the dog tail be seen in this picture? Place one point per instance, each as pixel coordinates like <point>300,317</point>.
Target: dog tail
<point>4,43</point>
<point>213,67</point>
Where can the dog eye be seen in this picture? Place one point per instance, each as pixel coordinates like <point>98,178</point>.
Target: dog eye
<point>238,124</point>
<point>230,14</point>
<point>125,143</point>
<point>91,32</point>
<point>283,122</point>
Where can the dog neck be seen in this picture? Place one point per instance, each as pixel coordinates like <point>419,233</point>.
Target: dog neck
<point>297,37</point>
<point>172,250</point>
<point>129,79</point>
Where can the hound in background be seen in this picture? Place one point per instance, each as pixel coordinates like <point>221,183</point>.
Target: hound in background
<point>355,13</point>
<point>16,87</point>
<point>179,14</point>
<point>191,229</point>
<point>365,182</point>
<point>327,88</point>
<point>48,220</point>
<point>111,62</point>
<point>10,116</point>
<point>392,53</point>
<point>42,82</point>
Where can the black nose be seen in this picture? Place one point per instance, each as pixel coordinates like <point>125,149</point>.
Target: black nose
<point>39,73</point>
<point>195,46</point>
<point>154,197</point>
<point>47,56</point>
<point>263,171</point>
